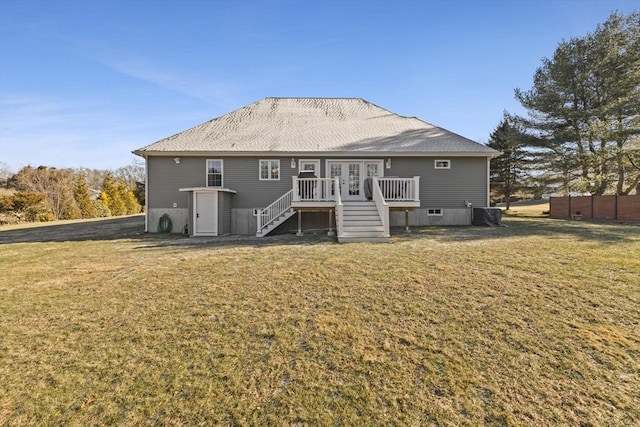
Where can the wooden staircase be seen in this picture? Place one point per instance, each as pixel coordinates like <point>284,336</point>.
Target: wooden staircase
<point>276,223</point>
<point>362,223</point>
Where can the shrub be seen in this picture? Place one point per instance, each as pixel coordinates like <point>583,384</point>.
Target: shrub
<point>6,203</point>
<point>38,213</point>
<point>23,200</point>
<point>101,209</point>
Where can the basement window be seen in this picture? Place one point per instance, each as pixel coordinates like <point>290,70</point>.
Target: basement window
<point>442,164</point>
<point>434,212</point>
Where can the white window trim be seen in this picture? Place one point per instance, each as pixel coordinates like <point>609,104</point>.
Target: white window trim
<point>316,162</point>
<point>362,161</point>
<point>270,166</point>
<point>434,212</point>
<point>435,164</point>
<point>379,163</point>
<point>221,173</point>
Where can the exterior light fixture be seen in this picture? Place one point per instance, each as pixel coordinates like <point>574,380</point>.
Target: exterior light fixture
<point>388,164</point>
<point>177,160</point>
<point>293,163</point>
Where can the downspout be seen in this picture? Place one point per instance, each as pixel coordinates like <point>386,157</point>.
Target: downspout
<point>146,194</point>
<point>488,183</point>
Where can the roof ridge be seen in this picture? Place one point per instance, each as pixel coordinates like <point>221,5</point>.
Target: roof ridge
<point>315,124</point>
<point>314,97</point>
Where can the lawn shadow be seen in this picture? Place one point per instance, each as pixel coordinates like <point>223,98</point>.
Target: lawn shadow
<point>127,227</point>
<point>524,226</point>
<point>132,227</point>
<point>234,241</point>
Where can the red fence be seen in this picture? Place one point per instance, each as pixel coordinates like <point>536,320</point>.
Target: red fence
<point>623,208</point>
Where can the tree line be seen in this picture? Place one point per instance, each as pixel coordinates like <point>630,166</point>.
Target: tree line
<point>581,133</point>
<point>38,194</point>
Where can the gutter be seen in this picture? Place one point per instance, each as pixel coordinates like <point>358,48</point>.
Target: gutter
<point>350,154</point>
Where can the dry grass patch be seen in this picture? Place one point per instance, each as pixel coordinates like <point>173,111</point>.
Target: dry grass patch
<point>535,208</point>
<point>535,324</point>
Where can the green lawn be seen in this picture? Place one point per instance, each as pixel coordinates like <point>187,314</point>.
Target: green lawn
<point>532,324</point>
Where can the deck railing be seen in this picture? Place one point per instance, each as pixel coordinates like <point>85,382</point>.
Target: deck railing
<point>323,189</point>
<point>399,189</point>
<point>314,189</point>
<point>272,212</point>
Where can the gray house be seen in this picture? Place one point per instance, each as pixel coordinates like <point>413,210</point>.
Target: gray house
<point>345,165</point>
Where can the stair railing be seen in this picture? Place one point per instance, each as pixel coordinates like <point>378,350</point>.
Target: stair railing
<point>271,213</point>
<point>339,207</point>
<point>381,204</point>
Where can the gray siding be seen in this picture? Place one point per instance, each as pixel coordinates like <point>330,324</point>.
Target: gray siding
<point>243,221</point>
<point>179,218</point>
<point>242,175</point>
<point>239,174</point>
<point>190,224</point>
<point>166,178</point>
<point>445,188</point>
<point>439,188</point>
<point>419,217</point>
<point>224,213</point>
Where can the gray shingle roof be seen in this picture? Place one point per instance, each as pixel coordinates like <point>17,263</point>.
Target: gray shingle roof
<point>315,125</point>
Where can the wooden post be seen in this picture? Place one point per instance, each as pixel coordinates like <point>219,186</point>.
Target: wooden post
<point>406,220</point>
<point>330,233</point>
<point>299,233</point>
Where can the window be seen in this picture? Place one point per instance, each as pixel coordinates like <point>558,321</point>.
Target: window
<point>443,164</point>
<point>310,166</point>
<point>214,173</point>
<point>373,169</point>
<point>434,212</point>
<point>269,170</point>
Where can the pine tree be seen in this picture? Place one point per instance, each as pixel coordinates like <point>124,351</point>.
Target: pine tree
<point>129,199</point>
<point>114,200</point>
<point>584,104</point>
<point>82,197</point>
<point>508,169</point>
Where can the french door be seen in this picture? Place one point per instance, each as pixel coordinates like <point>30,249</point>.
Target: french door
<point>352,175</point>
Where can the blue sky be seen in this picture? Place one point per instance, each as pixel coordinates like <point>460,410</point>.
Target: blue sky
<point>83,83</point>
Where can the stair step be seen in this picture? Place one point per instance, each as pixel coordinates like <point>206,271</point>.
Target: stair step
<point>358,204</point>
<point>359,208</point>
<point>361,212</point>
<point>351,223</point>
<point>362,236</point>
<point>362,221</point>
<point>361,215</point>
<point>276,223</point>
<point>364,228</point>
<point>363,239</point>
